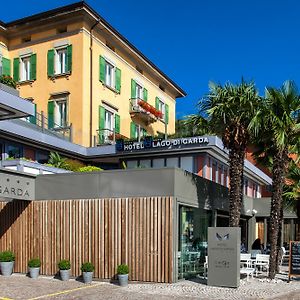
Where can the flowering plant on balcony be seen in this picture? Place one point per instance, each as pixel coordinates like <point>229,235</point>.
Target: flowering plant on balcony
<point>151,109</point>
<point>6,79</point>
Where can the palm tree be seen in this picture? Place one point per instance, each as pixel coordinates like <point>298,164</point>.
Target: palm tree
<point>227,111</point>
<point>277,121</point>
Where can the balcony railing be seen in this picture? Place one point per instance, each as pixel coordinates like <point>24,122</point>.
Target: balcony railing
<point>144,111</point>
<point>107,137</point>
<point>41,122</point>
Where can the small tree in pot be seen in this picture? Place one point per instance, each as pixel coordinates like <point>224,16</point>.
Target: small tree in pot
<point>34,267</point>
<point>87,269</point>
<point>7,259</point>
<point>64,269</point>
<point>123,272</point>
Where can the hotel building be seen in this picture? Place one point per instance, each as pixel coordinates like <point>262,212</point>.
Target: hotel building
<point>84,78</point>
<point>153,215</point>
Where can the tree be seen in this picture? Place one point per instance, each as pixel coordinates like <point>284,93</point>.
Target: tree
<point>227,112</point>
<point>277,122</point>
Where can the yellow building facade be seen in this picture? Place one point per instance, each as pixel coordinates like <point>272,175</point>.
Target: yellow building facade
<point>83,74</point>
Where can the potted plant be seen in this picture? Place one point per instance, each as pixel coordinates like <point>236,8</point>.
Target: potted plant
<point>87,269</point>
<point>34,267</point>
<point>123,272</point>
<point>64,269</point>
<point>7,259</point>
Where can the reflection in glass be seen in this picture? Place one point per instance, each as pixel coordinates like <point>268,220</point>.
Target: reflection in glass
<point>192,248</point>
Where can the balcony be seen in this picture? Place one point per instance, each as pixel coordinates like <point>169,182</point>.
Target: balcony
<point>142,111</point>
<point>107,137</point>
<point>40,122</point>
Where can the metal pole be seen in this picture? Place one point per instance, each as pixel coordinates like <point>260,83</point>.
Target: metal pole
<point>42,121</point>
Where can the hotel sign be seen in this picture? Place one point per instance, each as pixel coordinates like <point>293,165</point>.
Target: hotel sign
<point>150,144</point>
<point>16,187</point>
<point>224,244</point>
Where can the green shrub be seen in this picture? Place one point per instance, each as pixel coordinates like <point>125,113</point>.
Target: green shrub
<point>34,263</point>
<point>5,79</point>
<point>7,256</point>
<point>64,264</point>
<point>87,267</point>
<point>57,161</point>
<point>73,164</point>
<point>122,269</point>
<point>89,169</point>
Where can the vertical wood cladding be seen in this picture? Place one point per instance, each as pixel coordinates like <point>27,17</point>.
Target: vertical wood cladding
<point>108,232</point>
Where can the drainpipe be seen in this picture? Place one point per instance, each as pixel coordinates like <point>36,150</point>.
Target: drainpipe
<point>91,81</point>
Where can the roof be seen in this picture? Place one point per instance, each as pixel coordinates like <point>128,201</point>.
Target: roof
<point>83,5</point>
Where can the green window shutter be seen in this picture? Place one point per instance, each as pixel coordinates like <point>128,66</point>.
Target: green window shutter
<point>102,69</point>
<point>167,113</point>
<point>16,69</point>
<point>117,123</point>
<point>69,59</point>
<point>50,63</point>
<point>101,123</point>
<point>50,114</point>
<point>118,80</point>
<point>145,94</point>
<point>133,89</point>
<point>32,119</point>
<point>5,66</point>
<point>33,67</point>
<point>156,102</point>
<point>132,130</point>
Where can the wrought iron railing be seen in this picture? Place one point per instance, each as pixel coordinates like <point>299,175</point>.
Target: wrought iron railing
<point>139,105</point>
<point>107,137</point>
<point>42,122</point>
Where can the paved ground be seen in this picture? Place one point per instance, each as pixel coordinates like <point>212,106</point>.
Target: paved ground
<point>22,287</point>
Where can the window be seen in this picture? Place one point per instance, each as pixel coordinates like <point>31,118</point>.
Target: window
<point>109,120</point>
<point>110,75</point>
<point>138,91</point>
<point>109,124</point>
<point>62,30</point>
<point>4,66</point>
<point>26,39</point>
<point>14,151</point>
<point>25,68</point>
<point>163,107</point>
<point>59,61</point>
<point>58,113</point>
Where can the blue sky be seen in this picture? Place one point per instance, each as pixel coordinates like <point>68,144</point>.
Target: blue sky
<point>194,41</point>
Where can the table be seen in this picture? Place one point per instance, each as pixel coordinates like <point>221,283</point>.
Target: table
<point>247,271</point>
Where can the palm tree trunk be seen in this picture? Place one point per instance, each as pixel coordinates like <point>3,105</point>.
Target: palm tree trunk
<point>236,167</point>
<point>278,174</point>
<point>279,254</point>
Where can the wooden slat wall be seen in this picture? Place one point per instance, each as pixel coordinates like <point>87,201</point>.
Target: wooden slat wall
<point>135,231</point>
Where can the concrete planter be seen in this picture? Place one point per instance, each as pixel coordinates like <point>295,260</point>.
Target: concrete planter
<point>9,89</point>
<point>87,277</point>
<point>7,268</point>
<point>64,275</point>
<point>34,272</point>
<point>123,279</point>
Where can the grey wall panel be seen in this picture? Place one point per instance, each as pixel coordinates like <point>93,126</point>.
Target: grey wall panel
<point>117,183</point>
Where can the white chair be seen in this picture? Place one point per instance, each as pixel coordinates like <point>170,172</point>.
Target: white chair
<point>262,262</point>
<point>245,260</point>
<point>205,266</point>
<point>254,253</point>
